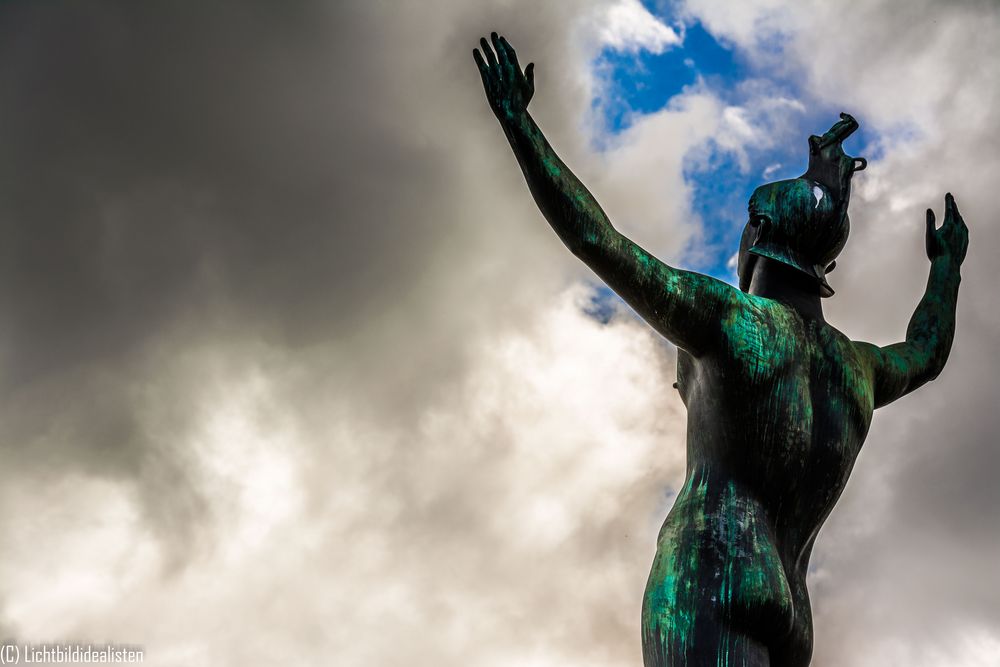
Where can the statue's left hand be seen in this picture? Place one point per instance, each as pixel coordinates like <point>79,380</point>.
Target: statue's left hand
<point>951,241</point>
<point>508,89</point>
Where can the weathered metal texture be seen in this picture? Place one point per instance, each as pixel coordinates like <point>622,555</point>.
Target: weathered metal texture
<point>779,402</point>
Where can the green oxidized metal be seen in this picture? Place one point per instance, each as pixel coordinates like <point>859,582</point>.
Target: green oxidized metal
<point>779,401</point>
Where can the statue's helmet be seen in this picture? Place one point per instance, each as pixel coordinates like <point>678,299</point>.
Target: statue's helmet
<point>803,222</point>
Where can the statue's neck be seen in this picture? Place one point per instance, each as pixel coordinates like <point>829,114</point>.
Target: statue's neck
<point>774,280</point>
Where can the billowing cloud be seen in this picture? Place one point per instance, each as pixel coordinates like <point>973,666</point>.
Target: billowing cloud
<point>626,25</point>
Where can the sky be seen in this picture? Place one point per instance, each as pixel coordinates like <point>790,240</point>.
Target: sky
<point>292,369</point>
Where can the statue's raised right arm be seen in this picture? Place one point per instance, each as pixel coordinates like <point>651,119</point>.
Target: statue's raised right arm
<point>687,308</point>
<point>902,367</point>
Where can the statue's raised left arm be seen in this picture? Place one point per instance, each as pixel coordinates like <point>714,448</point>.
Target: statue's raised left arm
<point>902,367</point>
<point>685,307</point>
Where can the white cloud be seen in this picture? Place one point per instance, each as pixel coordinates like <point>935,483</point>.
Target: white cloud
<point>733,263</point>
<point>736,122</point>
<point>540,468</point>
<point>626,25</point>
<point>742,22</point>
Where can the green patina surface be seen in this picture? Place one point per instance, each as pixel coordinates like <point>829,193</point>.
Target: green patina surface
<point>779,402</point>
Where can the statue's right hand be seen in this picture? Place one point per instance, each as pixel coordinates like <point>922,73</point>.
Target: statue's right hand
<point>508,89</point>
<point>951,241</point>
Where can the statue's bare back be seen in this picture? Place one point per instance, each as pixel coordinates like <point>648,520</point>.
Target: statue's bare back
<point>759,483</point>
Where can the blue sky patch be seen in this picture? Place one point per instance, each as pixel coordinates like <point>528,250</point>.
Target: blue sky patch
<point>603,304</point>
<point>645,82</point>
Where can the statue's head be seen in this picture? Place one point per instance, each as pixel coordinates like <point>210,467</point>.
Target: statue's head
<point>803,222</point>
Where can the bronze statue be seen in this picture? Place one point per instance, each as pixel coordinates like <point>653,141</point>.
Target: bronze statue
<point>779,402</point>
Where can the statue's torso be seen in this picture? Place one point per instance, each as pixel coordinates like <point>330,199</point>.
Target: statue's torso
<point>776,418</point>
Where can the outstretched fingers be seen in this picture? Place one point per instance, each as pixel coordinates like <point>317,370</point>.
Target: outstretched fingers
<point>952,211</point>
<point>491,59</point>
<point>508,89</point>
<point>509,57</point>
<point>481,64</point>
<point>498,47</point>
<point>952,239</point>
<point>508,53</point>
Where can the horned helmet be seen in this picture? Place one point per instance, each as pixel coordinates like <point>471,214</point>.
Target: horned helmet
<point>803,222</point>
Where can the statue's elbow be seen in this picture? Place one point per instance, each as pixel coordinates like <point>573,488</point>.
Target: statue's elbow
<point>933,369</point>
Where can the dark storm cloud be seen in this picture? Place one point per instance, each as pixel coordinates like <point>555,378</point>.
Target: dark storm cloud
<point>173,174</point>
<point>159,156</point>
<point>247,248</point>
<point>178,178</point>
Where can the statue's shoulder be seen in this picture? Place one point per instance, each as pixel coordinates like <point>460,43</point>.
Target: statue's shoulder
<point>755,312</point>
<point>850,360</point>
<point>868,354</point>
<point>760,333</point>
